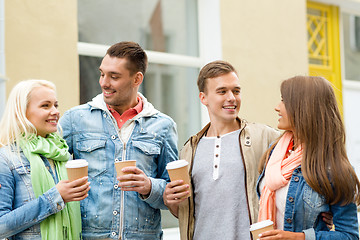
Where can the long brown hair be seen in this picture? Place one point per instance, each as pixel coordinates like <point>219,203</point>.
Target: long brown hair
<point>314,115</point>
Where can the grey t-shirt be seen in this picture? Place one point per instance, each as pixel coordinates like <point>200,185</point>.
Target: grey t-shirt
<point>221,210</point>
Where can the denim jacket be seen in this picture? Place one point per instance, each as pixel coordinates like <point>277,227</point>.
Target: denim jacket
<point>150,138</point>
<point>20,212</point>
<point>303,208</point>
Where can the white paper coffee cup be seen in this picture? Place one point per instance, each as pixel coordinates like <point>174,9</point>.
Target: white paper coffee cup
<point>178,170</point>
<point>261,227</point>
<point>76,169</point>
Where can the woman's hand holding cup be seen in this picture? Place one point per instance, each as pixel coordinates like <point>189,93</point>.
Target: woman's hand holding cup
<point>76,190</point>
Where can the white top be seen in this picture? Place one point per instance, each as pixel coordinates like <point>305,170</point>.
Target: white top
<point>218,175</point>
<point>280,202</point>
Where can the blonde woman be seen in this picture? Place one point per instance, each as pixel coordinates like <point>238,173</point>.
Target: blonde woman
<point>37,202</point>
<point>307,171</point>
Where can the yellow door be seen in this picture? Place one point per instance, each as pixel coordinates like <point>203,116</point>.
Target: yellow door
<point>324,44</point>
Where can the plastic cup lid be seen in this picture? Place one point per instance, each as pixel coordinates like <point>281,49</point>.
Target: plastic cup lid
<point>130,160</point>
<point>261,224</point>
<point>76,163</point>
<point>176,164</point>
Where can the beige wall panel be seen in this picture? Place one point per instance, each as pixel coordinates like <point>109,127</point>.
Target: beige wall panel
<point>266,42</point>
<point>41,43</point>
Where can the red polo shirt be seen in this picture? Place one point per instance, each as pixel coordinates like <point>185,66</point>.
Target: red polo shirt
<point>128,114</point>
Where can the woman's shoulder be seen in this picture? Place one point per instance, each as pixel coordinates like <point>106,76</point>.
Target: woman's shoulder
<point>10,154</point>
<point>6,151</point>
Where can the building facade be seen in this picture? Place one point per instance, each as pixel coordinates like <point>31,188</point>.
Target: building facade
<point>267,42</point>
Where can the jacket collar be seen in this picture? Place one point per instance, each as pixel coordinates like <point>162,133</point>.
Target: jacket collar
<point>196,138</point>
<point>148,109</point>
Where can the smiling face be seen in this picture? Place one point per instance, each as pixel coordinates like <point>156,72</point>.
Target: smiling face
<point>284,121</point>
<point>119,87</point>
<point>222,97</point>
<point>42,110</point>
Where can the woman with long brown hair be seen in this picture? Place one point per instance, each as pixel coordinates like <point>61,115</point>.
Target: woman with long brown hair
<point>307,171</point>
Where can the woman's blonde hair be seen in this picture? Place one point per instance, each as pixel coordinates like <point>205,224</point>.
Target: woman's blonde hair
<point>314,115</point>
<point>14,123</point>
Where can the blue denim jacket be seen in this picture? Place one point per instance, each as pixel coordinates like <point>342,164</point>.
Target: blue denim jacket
<point>150,137</point>
<point>20,212</point>
<point>303,208</point>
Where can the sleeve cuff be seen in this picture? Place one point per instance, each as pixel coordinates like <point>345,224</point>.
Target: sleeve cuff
<point>55,200</point>
<point>155,198</point>
<point>309,234</point>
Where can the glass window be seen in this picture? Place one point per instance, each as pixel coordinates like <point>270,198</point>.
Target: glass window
<point>173,90</point>
<point>351,28</point>
<point>89,77</point>
<point>317,21</point>
<point>165,26</point>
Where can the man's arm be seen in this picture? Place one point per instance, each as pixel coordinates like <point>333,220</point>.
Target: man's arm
<point>174,194</point>
<point>169,153</point>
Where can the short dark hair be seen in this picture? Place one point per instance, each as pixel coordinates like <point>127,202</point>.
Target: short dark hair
<point>136,56</point>
<point>212,70</point>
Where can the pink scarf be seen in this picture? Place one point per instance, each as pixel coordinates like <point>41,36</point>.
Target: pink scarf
<point>277,175</point>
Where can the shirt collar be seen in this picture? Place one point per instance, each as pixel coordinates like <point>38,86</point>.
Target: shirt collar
<point>138,108</point>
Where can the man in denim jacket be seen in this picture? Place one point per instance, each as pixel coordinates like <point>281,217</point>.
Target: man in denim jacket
<point>120,124</point>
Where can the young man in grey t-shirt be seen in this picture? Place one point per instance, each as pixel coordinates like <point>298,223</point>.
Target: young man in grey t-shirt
<point>223,159</point>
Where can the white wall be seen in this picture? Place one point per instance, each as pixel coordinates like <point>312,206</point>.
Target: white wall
<point>266,41</point>
<point>351,100</point>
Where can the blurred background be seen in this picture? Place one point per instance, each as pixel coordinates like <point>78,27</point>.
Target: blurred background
<point>266,40</point>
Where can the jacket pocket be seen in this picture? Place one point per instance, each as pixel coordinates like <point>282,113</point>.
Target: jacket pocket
<point>24,192</point>
<point>23,170</point>
<point>148,148</point>
<point>314,204</point>
<point>90,145</point>
<point>312,198</point>
<point>148,153</point>
<point>93,149</point>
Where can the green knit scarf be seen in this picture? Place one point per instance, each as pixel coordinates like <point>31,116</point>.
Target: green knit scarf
<point>66,224</point>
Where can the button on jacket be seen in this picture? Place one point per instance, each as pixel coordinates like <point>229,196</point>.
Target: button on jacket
<point>20,212</point>
<point>150,138</point>
<point>303,208</point>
